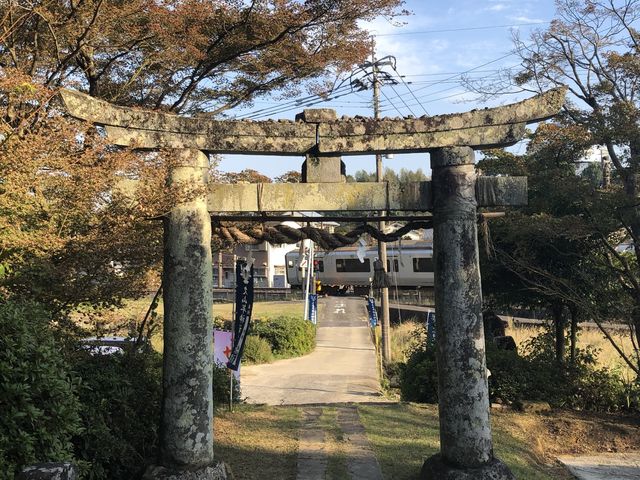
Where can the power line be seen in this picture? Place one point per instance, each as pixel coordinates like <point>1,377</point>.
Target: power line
<point>410,91</point>
<point>436,99</point>
<point>401,99</point>
<point>462,29</point>
<point>512,52</point>
<point>299,105</point>
<point>345,90</point>
<point>292,103</point>
<point>296,103</point>
<point>437,92</point>
<point>392,104</point>
<point>443,73</point>
<point>455,85</point>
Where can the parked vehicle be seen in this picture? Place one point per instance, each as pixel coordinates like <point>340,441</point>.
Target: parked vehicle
<point>108,345</point>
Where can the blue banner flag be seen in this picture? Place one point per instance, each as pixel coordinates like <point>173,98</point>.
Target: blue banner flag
<point>431,327</point>
<point>373,314</point>
<point>244,306</point>
<point>313,308</point>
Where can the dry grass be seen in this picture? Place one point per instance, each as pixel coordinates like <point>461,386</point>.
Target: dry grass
<point>403,338</point>
<point>527,442</point>
<point>261,442</point>
<point>117,321</point>
<point>607,356</point>
<point>265,310</point>
<point>258,442</point>
<point>136,309</point>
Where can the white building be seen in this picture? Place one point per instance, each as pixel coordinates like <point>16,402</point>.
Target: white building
<point>597,154</point>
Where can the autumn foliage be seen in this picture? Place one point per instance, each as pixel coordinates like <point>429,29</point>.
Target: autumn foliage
<point>79,221</point>
<point>187,55</point>
<point>72,229</point>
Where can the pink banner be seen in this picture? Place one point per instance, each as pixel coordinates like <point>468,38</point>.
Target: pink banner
<point>222,345</point>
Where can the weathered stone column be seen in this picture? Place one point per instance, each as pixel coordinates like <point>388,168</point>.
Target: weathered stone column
<point>466,449</point>
<point>186,433</point>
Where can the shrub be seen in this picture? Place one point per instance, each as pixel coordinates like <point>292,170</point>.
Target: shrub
<point>257,350</point>
<point>515,378</point>
<point>533,375</point>
<point>221,323</point>
<point>419,376</point>
<point>40,410</point>
<point>222,384</point>
<point>288,336</point>
<point>121,395</point>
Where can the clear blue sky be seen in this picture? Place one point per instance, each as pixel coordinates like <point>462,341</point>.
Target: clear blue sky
<point>434,48</point>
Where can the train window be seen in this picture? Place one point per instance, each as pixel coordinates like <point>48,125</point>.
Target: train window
<point>395,265</point>
<point>318,265</point>
<point>422,264</point>
<point>345,265</point>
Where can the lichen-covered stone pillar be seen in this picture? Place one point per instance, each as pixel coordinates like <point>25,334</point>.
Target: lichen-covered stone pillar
<point>466,449</point>
<point>186,434</point>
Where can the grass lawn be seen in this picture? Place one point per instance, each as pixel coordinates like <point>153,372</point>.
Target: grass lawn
<point>136,309</point>
<point>403,337</point>
<point>258,442</point>
<point>403,435</point>
<point>607,356</point>
<point>115,321</point>
<point>261,442</point>
<point>263,310</point>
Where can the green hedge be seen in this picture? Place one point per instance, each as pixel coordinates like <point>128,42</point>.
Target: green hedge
<point>222,385</point>
<point>288,336</point>
<point>257,350</point>
<point>38,396</point>
<point>121,395</point>
<point>60,403</point>
<point>419,377</point>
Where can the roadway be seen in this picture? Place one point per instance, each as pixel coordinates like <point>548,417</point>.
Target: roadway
<point>341,369</point>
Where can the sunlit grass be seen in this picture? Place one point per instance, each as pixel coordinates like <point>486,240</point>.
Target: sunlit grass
<point>403,338</point>
<point>120,321</point>
<point>607,356</point>
<point>263,310</point>
<point>258,442</point>
<point>404,435</point>
<point>262,442</point>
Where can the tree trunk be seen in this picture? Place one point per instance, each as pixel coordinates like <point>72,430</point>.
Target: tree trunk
<point>574,332</point>
<point>557,310</point>
<point>631,217</point>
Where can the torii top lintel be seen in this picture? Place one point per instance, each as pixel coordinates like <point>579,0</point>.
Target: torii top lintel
<point>319,135</point>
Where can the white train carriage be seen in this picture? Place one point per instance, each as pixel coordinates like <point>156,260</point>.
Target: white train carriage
<point>408,266</point>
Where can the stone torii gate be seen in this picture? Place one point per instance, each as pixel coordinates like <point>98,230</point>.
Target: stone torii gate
<point>452,195</point>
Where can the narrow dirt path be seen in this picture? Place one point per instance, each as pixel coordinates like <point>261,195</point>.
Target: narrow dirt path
<point>312,452</point>
<point>333,446</point>
<point>361,462</point>
<point>342,369</point>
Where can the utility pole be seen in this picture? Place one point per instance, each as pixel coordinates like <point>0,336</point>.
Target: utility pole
<point>382,247</point>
